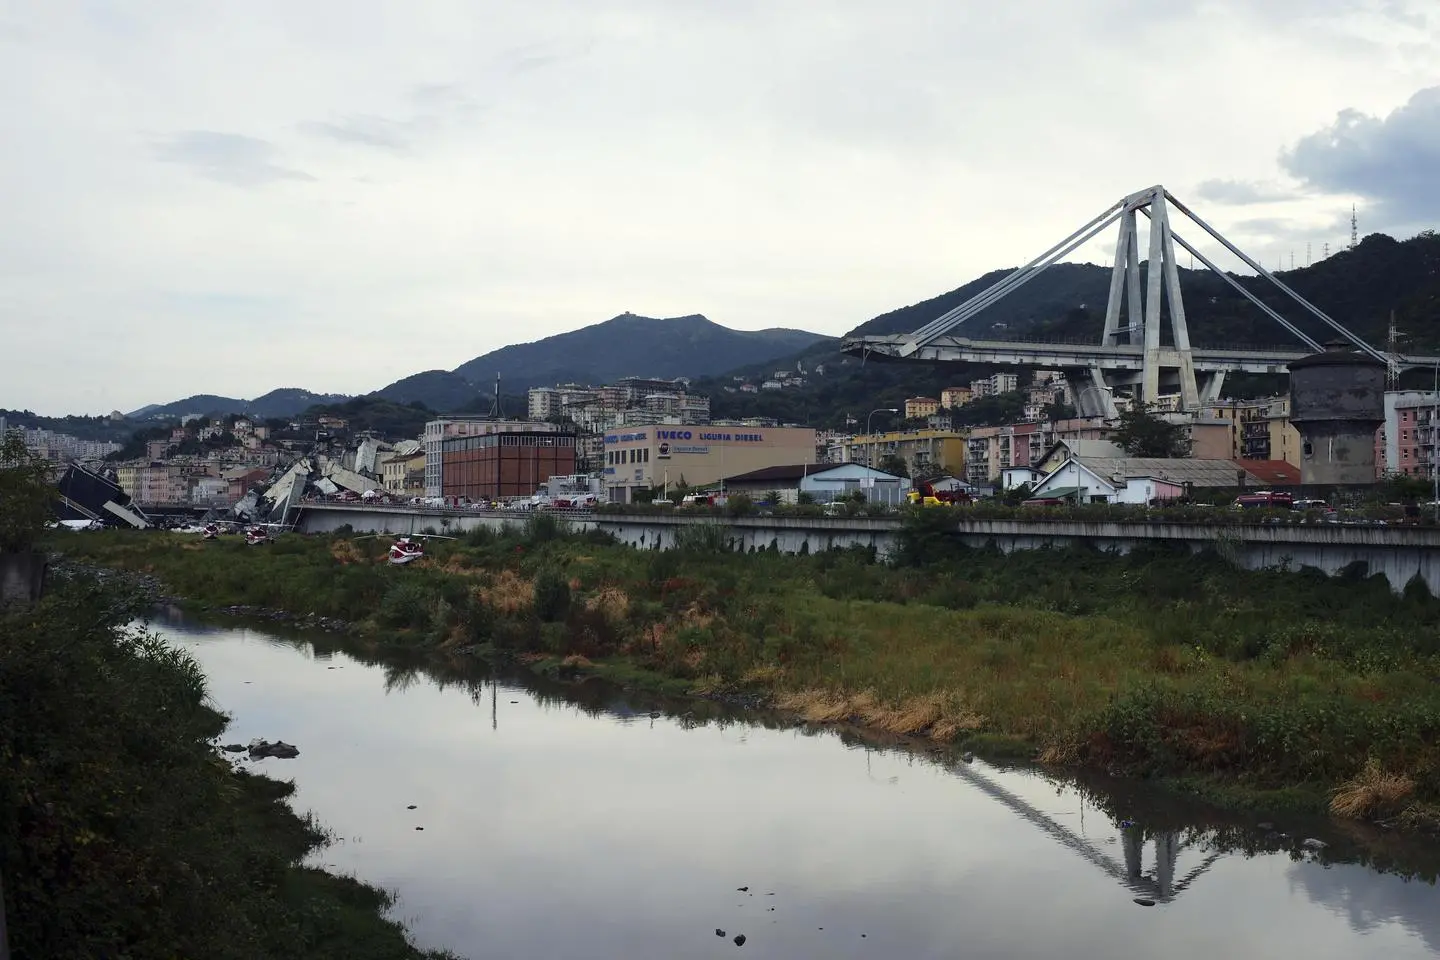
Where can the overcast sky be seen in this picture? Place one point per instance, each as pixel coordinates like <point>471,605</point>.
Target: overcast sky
<point>227,198</point>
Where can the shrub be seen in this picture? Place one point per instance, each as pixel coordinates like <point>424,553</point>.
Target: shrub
<point>552,595</point>
<point>706,537</point>
<point>406,604</point>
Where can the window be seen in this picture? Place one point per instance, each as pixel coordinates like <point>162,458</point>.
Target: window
<point>1308,449</point>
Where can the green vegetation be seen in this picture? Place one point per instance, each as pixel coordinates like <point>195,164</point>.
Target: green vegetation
<point>83,428</point>
<point>124,834</point>
<point>26,497</point>
<point>1156,663</point>
<point>1142,434</point>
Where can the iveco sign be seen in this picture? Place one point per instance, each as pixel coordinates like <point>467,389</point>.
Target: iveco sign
<point>724,437</point>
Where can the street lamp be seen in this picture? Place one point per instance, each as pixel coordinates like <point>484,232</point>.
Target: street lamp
<point>870,457</point>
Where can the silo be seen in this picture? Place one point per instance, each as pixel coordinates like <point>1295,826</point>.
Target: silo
<point>1337,402</point>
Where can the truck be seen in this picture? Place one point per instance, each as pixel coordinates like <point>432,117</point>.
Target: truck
<point>925,494</point>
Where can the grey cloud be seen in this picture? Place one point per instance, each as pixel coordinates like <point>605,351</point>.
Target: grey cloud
<point>1389,160</point>
<point>226,157</point>
<point>367,131</point>
<point>1241,192</point>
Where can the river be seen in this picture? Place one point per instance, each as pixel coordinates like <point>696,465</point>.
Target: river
<point>574,824</point>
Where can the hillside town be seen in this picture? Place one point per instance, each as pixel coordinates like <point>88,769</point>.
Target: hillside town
<point>650,439</point>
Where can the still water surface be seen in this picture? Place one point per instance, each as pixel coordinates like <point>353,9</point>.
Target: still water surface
<point>572,824</point>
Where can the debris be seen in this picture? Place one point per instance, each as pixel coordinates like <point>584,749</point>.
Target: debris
<point>279,750</point>
<point>1313,844</point>
<point>739,939</point>
<point>1145,901</point>
<point>719,932</point>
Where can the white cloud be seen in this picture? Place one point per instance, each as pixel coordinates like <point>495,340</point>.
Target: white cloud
<point>342,194</point>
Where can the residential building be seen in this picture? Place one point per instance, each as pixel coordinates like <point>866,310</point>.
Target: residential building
<point>504,464</point>
<point>657,456</point>
<point>395,469</point>
<point>925,452</point>
<point>952,397</point>
<point>1140,479</point>
<point>544,403</point>
<point>438,431</point>
<point>239,481</point>
<point>210,490</point>
<point>1266,432</point>
<point>992,450</point>
<point>917,408</point>
<point>822,483</point>
<point>1407,440</point>
<point>995,384</point>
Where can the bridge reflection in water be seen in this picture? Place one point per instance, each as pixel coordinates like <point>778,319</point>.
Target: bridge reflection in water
<point>1158,884</point>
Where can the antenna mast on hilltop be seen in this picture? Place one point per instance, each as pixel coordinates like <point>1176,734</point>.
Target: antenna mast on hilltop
<point>1326,254</point>
<point>495,404</point>
<point>1354,228</point>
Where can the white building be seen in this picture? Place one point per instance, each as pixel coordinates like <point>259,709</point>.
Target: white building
<point>544,403</point>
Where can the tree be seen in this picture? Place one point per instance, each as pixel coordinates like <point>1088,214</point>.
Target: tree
<point>894,465</point>
<point>26,496</point>
<point>1143,434</point>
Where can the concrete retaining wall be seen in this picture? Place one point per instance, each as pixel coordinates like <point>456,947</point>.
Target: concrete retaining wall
<point>1400,553</point>
<point>646,532</point>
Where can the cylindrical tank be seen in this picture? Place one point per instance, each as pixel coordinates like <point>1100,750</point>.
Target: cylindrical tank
<point>1337,402</point>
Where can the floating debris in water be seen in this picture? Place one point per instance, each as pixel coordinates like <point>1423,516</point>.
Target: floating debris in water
<point>719,932</point>
<point>1145,901</point>
<point>739,939</point>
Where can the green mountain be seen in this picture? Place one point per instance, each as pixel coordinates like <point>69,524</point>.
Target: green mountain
<point>627,345</point>
<point>284,402</point>
<point>630,345</point>
<point>1358,288</point>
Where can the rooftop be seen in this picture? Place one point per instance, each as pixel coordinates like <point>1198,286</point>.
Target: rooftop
<point>1200,473</point>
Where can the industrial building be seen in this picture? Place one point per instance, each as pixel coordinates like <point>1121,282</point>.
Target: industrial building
<point>496,466</point>
<point>696,456</point>
<point>438,431</point>
<point>1337,402</point>
<point>822,482</point>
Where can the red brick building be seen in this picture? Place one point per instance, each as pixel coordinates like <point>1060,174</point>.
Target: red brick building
<point>497,465</point>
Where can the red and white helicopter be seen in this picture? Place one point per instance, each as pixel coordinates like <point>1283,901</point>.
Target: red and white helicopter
<point>212,530</point>
<point>258,533</point>
<point>408,549</point>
